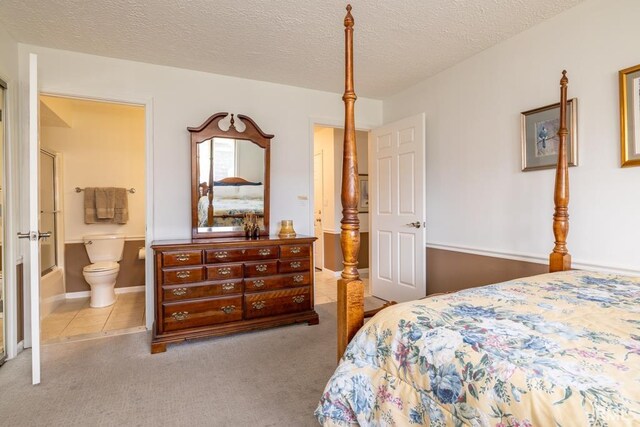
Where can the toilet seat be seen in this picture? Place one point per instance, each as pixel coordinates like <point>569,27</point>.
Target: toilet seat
<point>104,267</point>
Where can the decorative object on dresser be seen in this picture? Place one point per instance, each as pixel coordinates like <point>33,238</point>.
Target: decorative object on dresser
<point>286,229</point>
<point>229,176</point>
<point>540,139</point>
<point>630,116</point>
<point>230,285</point>
<point>219,282</point>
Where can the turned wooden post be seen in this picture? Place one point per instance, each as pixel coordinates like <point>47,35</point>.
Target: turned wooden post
<point>560,259</point>
<point>350,288</point>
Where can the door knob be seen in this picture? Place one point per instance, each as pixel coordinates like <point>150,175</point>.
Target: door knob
<point>32,235</point>
<point>416,224</point>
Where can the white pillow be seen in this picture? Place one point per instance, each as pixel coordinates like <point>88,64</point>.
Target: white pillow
<point>251,192</point>
<point>225,192</point>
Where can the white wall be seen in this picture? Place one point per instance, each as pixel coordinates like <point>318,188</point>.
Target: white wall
<point>184,98</point>
<point>477,197</point>
<point>104,146</point>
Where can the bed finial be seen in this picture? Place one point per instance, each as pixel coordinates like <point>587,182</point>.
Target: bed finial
<point>560,259</point>
<point>348,20</point>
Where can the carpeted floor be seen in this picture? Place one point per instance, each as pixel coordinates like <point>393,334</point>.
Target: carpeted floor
<point>267,378</point>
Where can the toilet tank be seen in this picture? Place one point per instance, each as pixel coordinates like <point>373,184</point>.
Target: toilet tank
<point>104,247</point>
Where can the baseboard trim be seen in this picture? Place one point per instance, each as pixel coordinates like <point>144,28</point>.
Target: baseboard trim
<point>86,294</point>
<point>536,259</point>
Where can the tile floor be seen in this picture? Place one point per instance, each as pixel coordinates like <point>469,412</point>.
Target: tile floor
<point>75,320</point>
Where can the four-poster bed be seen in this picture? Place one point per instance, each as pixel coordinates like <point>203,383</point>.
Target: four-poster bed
<point>555,349</point>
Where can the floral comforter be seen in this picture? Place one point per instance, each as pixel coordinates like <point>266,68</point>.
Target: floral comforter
<point>559,349</point>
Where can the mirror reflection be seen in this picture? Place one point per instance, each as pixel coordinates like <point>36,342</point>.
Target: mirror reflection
<point>231,183</point>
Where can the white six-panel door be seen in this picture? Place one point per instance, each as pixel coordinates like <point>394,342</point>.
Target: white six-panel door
<point>397,210</point>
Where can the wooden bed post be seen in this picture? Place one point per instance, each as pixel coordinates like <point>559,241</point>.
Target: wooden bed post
<point>350,287</point>
<point>560,259</point>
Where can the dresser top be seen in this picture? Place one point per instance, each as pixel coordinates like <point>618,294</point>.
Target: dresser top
<point>232,241</point>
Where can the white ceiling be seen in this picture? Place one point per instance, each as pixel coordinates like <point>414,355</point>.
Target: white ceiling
<point>295,42</point>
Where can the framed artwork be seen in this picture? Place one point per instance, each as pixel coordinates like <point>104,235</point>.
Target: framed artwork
<point>540,140</point>
<point>363,203</point>
<point>630,116</point>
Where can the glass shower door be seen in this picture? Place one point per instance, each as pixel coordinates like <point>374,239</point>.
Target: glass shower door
<point>48,211</point>
<point>3,323</point>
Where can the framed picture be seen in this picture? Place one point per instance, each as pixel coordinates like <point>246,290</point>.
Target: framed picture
<point>363,204</point>
<point>630,116</point>
<point>540,138</point>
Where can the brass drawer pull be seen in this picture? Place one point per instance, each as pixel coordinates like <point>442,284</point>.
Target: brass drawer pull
<point>179,291</point>
<point>182,257</point>
<point>296,264</point>
<point>228,286</point>
<point>298,278</point>
<point>258,283</point>
<point>259,305</point>
<point>221,255</point>
<point>224,271</point>
<point>261,268</point>
<point>295,250</point>
<point>228,309</point>
<point>264,252</point>
<point>180,315</point>
<point>298,299</point>
<point>183,274</point>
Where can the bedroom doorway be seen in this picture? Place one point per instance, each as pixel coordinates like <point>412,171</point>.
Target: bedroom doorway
<point>89,146</point>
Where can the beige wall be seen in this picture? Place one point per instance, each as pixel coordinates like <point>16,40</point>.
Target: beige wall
<point>103,145</point>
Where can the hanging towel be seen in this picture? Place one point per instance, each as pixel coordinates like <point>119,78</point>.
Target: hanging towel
<point>90,216</point>
<point>121,206</point>
<point>105,202</point>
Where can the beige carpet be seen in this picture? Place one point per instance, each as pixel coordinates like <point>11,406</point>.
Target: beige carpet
<point>268,378</point>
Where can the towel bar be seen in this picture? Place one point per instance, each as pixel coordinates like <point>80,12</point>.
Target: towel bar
<point>130,190</point>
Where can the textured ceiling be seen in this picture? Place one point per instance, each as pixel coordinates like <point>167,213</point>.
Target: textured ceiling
<point>294,42</point>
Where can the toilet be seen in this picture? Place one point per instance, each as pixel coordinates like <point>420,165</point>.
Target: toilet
<point>104,250</point>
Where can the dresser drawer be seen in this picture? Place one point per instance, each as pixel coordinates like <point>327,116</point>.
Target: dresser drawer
<point>261,268</point>
<point>277,302</point>
<point>291,265</point>
<point>224,271</point>
<point>184,315</point>
<point>182,275</point>
<point>241,254</point>
<point>260,284</point>
<point>176,258</point>
<point>295,251</point>
<point>201,290</point>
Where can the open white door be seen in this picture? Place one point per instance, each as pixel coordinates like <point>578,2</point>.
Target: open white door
<point>397,210</point>
<point>33,234</point>
<point>318,201</point>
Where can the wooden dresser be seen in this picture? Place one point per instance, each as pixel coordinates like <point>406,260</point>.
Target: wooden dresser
<point>228,285</point>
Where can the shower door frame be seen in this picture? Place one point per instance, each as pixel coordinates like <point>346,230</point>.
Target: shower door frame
<point>6,320</point>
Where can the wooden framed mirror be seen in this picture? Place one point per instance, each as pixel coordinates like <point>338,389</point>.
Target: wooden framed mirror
<point>230,157</point>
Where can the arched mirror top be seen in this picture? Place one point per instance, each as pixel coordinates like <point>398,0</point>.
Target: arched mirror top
<point>229,176</point>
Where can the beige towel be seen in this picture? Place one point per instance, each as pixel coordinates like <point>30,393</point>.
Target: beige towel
<point>90,216</point>
<point>105,202</point>
<point>121,206</point>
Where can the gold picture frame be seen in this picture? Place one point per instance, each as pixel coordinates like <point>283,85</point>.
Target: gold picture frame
<point>539,136</point>
<point>630,116</point>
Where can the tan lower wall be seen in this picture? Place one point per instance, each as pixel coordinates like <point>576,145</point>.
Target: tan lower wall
<point>449,271</point>
<point>333,252</point>
<point>76,258</point>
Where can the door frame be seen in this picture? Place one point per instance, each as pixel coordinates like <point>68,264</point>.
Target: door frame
<point>333,123</point>
<point>148,106</point>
